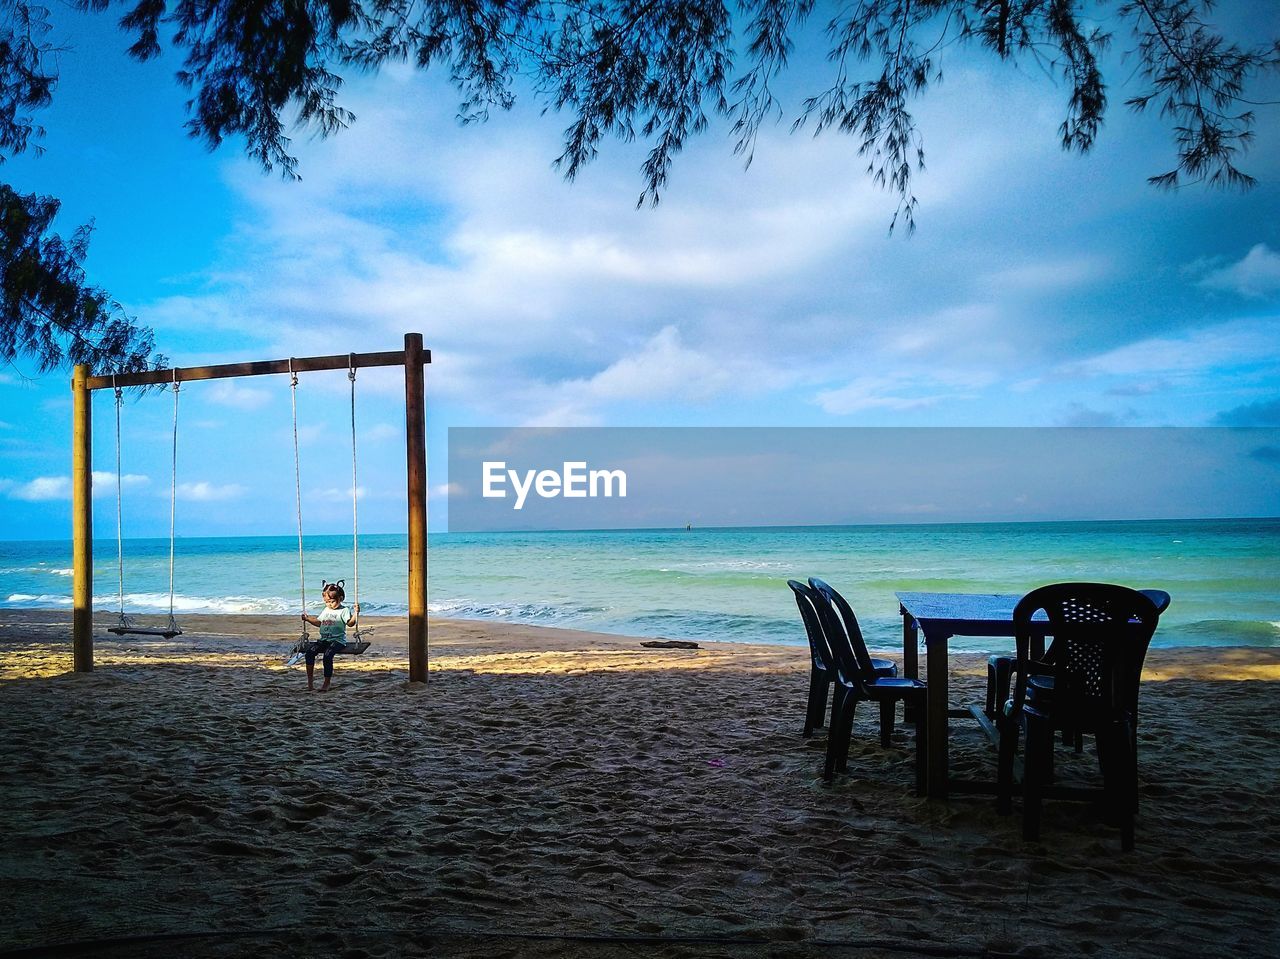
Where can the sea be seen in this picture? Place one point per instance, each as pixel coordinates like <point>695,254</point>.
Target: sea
<point>692,584</point>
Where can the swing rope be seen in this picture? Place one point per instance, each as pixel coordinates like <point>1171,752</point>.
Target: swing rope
<point>126,626</point>
<point>355,495</point>
<point>297,483</point>
<point>359,646</point>
<point>173,501</point>
<point>125,621</point>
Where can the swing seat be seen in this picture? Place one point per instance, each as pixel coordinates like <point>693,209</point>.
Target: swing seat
<point>164,631</point>
<point>296,655</point>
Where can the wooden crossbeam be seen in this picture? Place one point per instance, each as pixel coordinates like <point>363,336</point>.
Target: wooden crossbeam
<point>298,364</point>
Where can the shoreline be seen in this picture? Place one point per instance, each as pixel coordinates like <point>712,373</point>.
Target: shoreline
<point>285,628</point>
<point>551,792</point>
<point>456,643</point>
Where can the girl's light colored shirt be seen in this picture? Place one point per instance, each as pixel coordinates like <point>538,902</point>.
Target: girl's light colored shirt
<point>333,624</point>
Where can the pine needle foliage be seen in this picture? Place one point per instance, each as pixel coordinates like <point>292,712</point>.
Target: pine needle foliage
<point>49,312</point>
<point>659,71</point>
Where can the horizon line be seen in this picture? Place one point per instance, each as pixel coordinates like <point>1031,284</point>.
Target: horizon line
<point>694,528</point>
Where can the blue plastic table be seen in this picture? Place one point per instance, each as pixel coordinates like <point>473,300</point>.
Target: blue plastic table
<point>940,616</point>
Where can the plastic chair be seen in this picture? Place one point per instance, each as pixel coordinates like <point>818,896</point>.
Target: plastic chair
<point>1000,673</point>
<point>822,672</point>
<point>856,680</point>
<point>1088,683</point>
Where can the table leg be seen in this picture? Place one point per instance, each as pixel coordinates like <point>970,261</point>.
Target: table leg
<point>936,666</point>
<point>910,646</point>
<point>910,657</point>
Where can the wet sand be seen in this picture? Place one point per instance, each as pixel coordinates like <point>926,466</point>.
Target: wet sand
<point>557,793</point>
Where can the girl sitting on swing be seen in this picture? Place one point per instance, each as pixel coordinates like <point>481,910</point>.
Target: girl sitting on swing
<point>333,623</point>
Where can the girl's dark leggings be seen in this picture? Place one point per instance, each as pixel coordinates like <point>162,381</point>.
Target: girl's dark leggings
<point>325,649</point>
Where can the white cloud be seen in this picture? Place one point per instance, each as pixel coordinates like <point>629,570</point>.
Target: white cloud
<point>555,304</point>
<point>872,392</point>
<point>225,393</point>
<point>380,433</point>
<point>1256,276</point>
<point>206,492</point>
<point>104,483</point>
<point>1077,414</point>
<point>567,413</point>
<point>43,488</point>
<point>336,495</point>
<point>311,433</point>
<point>664,368</point>
<point>522,267</point>
<point>900,391</point>
<point>46,488</point>
<point>1238,342</point>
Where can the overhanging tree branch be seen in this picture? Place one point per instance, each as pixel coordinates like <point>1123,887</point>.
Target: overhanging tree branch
<point>658,69</point>
<point>48,310</point>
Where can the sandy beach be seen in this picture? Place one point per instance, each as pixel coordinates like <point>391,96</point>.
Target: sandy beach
<point>552,793</point>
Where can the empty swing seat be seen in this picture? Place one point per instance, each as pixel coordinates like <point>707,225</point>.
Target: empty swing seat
<point>167,632</point>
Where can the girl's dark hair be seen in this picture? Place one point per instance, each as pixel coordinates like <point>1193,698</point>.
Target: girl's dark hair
<point>335,589</point>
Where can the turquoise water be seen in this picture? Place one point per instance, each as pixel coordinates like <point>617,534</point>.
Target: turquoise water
<point>701,584</point>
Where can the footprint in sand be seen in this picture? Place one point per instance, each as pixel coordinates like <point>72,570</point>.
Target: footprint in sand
<point>339,879</point>
<point>307,812</point>
<point>230,847</point>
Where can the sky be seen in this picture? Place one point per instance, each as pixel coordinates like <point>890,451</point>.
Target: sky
<point>1040,288</point>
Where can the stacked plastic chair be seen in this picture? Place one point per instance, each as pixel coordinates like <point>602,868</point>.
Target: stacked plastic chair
<point>857,679</point>
<point>1087,683</point>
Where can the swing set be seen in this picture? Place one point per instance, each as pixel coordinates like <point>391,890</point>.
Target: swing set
<point>125,625</point>
<point>413,358</point>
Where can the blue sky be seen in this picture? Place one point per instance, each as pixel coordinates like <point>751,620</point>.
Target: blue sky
<point>1040,289</point>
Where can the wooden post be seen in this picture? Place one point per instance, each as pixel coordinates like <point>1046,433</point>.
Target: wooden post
<point>414,359</point>
<point>415,428</point>
<point>81,522</point>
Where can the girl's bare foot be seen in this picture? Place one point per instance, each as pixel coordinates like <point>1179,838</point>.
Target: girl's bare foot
<point>325,688</point>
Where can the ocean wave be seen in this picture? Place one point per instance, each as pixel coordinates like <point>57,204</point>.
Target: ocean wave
<point>728,564</point>
<point>711,576</point>
<point>384,609</point>
<point>41,601</point>
<point>233,605</point>
<point>532,613</point>
<point>1220,632</point>
<point>709,624</point>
